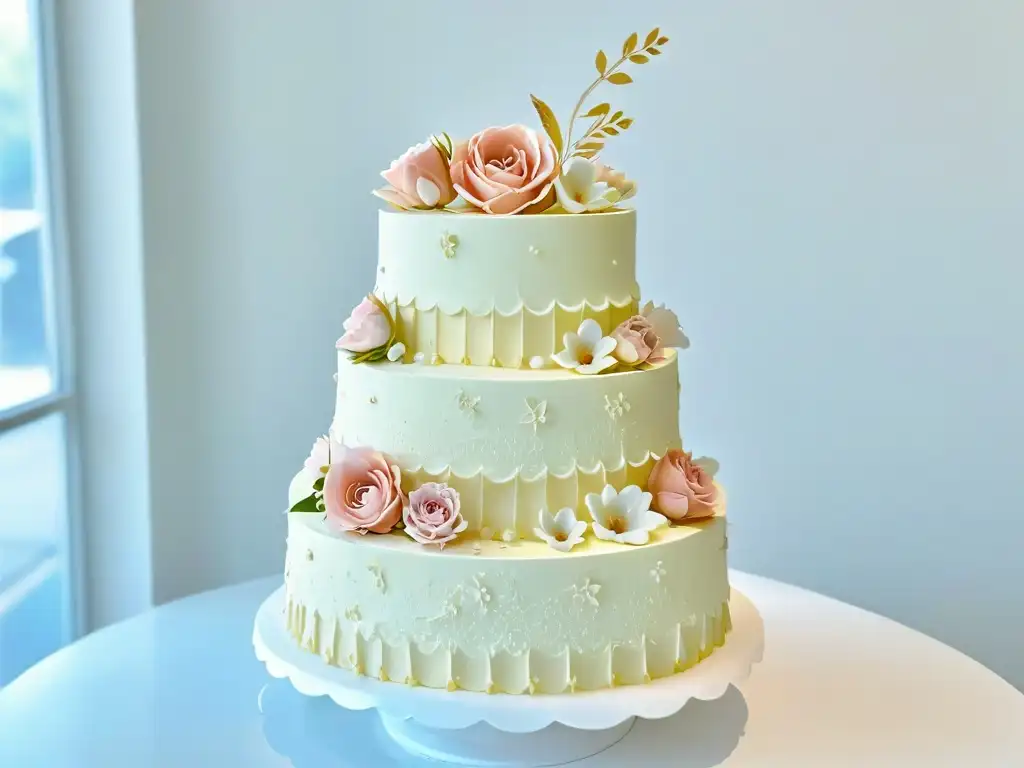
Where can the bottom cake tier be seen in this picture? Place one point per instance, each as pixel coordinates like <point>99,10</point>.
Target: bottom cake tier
<point>513,617</point>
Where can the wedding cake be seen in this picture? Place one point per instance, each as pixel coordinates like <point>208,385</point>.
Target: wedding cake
<point>502,502</point>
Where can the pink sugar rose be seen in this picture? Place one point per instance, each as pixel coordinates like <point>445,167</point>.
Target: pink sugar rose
<point>637,342</point>
<point>506,170</point>
<point>363,492</point>
<point>432,515</point>
<point>681,488</point>
<point>419,179</point>
<point>367,328</point>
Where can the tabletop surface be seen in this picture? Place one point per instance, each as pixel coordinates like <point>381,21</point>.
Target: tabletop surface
<point>838,687</point>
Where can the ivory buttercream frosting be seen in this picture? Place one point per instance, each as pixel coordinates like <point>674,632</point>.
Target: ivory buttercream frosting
<point>502,502</point>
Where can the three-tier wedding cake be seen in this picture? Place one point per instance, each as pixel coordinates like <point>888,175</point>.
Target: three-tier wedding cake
<point>502,502</point>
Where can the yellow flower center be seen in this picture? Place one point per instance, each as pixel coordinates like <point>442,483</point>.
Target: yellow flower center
<point>616,525</point>
<point>561,536</point>
<point>586,358</point>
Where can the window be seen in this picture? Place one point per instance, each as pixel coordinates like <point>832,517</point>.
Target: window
<point>36,607</point>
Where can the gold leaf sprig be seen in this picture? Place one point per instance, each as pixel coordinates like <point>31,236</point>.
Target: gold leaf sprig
<point>606,123</point>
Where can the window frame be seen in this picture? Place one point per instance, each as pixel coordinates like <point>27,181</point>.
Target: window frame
<point>51,202</point>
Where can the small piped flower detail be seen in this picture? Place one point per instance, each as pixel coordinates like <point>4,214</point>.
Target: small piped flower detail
<point>587,351</point>
<point>479,593</point>
<point>449,243</point>
<point>586,592</point>
<point>658,572</point>
<point>536,414</point>
<point>625,516</point>
<point>467,404</point>
<point>561,531</point>
<point>616,406</point>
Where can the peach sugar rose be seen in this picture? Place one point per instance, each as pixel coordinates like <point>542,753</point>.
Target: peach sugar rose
<point>506,170</point>
<point>681,488</point>
<point>363,492</point>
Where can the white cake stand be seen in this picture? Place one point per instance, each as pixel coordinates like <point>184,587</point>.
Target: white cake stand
<point>506,731</point>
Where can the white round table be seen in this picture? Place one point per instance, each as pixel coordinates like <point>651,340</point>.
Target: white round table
<point>838,687</point>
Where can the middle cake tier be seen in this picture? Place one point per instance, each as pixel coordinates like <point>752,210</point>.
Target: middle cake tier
<point>511,441</point>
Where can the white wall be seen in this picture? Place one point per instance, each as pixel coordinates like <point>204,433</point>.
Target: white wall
<point>831,195</point>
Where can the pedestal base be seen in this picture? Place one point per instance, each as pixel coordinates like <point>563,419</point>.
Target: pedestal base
<point>505,731</point>
<point>484,745</point>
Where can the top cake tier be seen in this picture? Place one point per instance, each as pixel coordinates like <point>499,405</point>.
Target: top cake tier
<point>479,264</point>
<point>500,290</point>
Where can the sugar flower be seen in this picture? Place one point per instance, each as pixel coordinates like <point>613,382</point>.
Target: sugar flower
<point>433,514</point>
<point>369,331</point>
<point>683,489</point>
<point>561,531</point>
<point>586,351</point>
<point>579,190</point>
<point>419,179</point>
<point>363,491</point>
<point>665,324</point>
<point>624,516</point>
<point>505,170</point>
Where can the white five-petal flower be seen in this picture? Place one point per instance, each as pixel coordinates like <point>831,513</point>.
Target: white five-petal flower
<point>561,531</point>
<point>578,189</point>
<point>586,351</point>
<point>624,516</point>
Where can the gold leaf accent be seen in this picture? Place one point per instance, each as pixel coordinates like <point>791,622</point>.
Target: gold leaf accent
<point>600,110</point>
<point>615,116</point>
<point>651,37</point>
<point>549,121</point>
<point>654,52</point>
<point>601,62</point>
<point>598,145</point>
<point>619,78</point>
<point>662,40</point>
<point>611,131</point>
<point>625,123</point>
<point>639,58</point>
<point>630,45</point>
<point>588,154</point>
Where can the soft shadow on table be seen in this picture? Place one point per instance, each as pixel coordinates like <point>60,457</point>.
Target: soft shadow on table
<point>317,733</point>
<point>703,734</point>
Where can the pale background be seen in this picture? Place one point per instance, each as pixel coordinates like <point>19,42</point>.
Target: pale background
<point>832,197</point>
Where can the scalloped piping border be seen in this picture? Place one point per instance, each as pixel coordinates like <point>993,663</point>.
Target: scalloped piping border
<point>511,504</point>
<point>633,298</point>
<point>454,668</point>
<point>438,709</point>
<point>508,340</point>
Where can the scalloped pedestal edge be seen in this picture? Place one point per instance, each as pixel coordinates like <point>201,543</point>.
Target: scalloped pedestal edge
<point>486,730</point>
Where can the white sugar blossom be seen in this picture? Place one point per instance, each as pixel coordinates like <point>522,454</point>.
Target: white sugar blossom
<point>666,325</point>
<point>561,531</point>
<point>586,351</point>
<point>624,516</point>
<point>579,190</point>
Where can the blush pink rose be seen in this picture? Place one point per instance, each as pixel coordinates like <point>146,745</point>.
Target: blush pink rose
<point>505,170</point>
<point>682,489</point>
<point>432,515</point>
<point>363,492</point>
<point>366,328</point>
<point>419,179</point>
<point>637,342</point>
